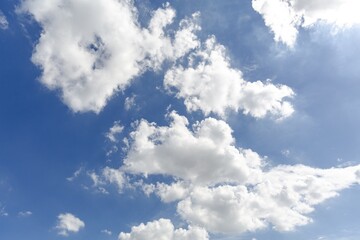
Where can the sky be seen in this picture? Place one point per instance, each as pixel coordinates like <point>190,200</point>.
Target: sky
<point>139,119</point>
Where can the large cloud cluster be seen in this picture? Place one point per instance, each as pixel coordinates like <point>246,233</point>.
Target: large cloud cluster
<point>222,188</point>
<point>284,17</point>
<point>211,85</point>
<point>90,50</point>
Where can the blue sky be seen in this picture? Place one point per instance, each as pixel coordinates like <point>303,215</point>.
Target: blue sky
<point>230,120</point>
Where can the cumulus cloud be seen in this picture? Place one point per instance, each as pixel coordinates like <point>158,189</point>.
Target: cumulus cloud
<point>282,199</point>
<point>211,85</point>
<point>284,17</point>
<point>4,24</point>
<point>89,50</point>
<point>163,229</point>
<point>205,154</point>
<point>225,189</point>
<point>68,223</point>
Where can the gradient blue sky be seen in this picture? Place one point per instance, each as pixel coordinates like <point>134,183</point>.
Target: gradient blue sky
<point>43,142</point>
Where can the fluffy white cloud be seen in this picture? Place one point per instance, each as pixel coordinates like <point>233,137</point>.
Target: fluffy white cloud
<point>163,229</point>
<point>210,84</point>
<point>168,192</point>
<point>4,24</point>
<point>284,17</point>
<point>204,155</point>
<point>68,223</point>
<point>90,50</point>
<point>225,189</point>
<point>282,199</point>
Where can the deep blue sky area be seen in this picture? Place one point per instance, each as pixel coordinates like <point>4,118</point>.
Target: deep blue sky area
<point>43,142</point>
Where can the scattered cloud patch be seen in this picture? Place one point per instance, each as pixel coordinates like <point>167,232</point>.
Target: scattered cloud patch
<point>285,17</point>
<point>129,102</point>
<point>68,223</point>
<point>89,50</point>
<point>75,175</point>
<point>108,176</point>
<point>3,212</point>
<point>25,214</point>
<point>4,24</point>
<point>114,131</point>
<point>164,229</point>
<point>107,232</point>
<point>211,85</point>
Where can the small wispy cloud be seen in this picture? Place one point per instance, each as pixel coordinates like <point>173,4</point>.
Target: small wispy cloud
<point>75,174</point>
<point>114,131</point>
<point>3,212</point>
<point>107,232</point>
<point>25,214</point>
<point>4,24</point>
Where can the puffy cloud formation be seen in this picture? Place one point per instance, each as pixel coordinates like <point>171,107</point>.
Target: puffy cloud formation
<point>282,199</point>
<point>210,84</point>
<point>68,223</point>
<point>225,189</point>
<point>204,155</point>
<point>89,50</point>
<point>163,229</point>
<point>4,24</point>
<point>284,17</point>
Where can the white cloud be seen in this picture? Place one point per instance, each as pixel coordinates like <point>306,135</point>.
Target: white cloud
<point>68,223</point>
<point>108,176</point>
<point>168,192</point>
<point>3,212</point>
<point>225,189</point>
<point>114,176</point>
<point>282,199</point>
<point>114,131</point>
<point>211,85</point>
<point>107,232</point>
<point>163,229</point>
<point>90,50</point>
<point>129,102</point>
<point>284,17</point>
<point>76,174</point>
<point>4,24</point>
<point>204,155</point>
<point>25,214</point>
